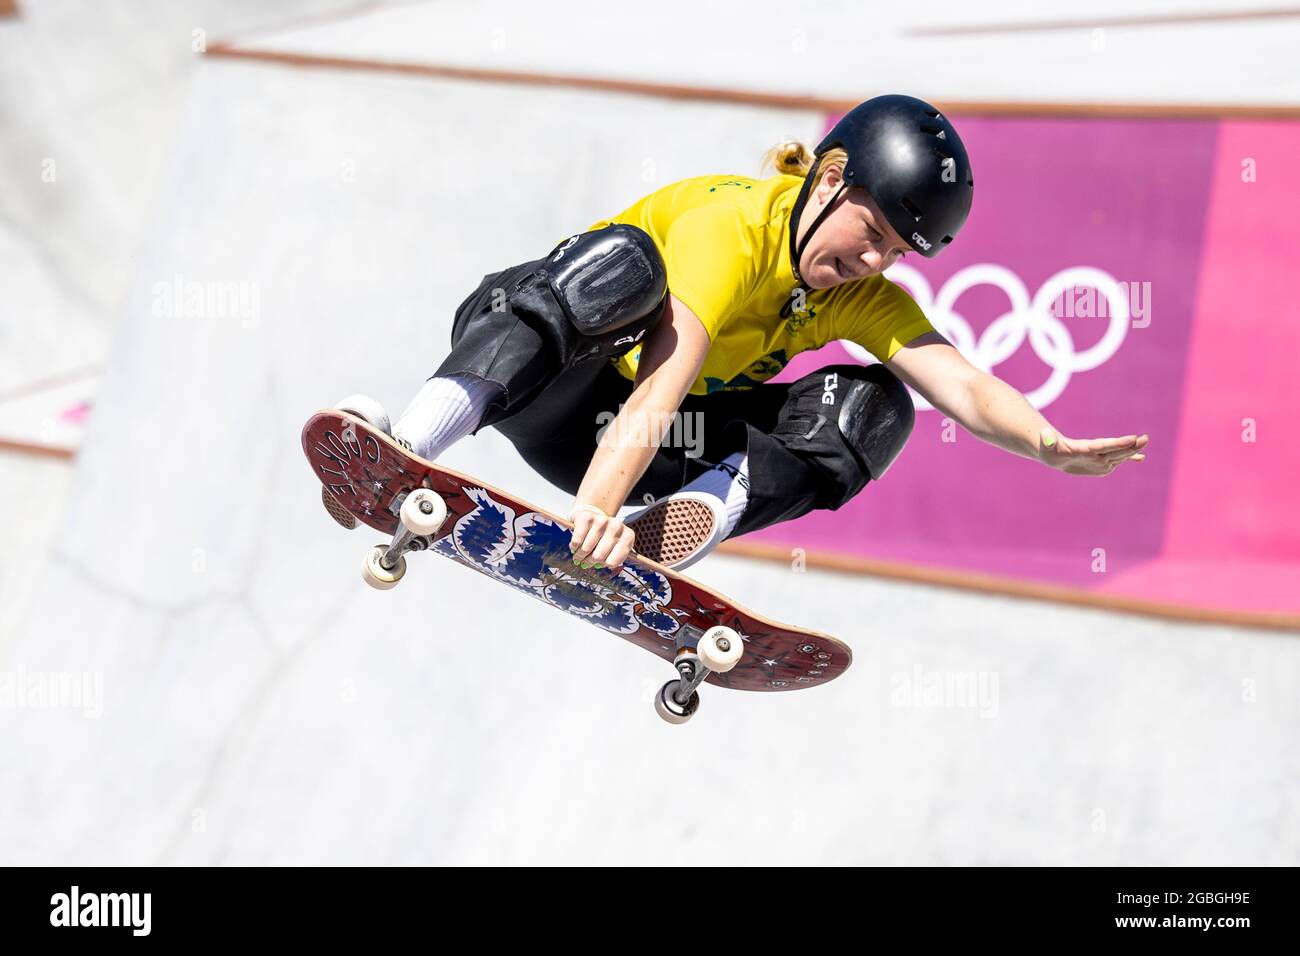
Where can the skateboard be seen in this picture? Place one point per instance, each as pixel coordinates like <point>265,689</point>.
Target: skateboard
<point>426,507</point>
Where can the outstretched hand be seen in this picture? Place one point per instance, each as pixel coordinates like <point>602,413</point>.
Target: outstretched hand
<point>1090,456</point>
<point>599,540</point>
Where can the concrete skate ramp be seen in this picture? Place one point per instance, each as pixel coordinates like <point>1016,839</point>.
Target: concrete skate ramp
<point>248,700</point>
<point>948,51</point>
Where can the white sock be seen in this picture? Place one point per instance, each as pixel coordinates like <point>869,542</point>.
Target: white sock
<point>444,411</point>
<point>729,481</point>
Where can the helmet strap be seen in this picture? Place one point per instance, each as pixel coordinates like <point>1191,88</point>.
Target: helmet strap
<point>796,251</point>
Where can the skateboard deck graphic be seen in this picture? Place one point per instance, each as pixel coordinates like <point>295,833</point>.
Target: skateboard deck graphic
<point>527,549</point>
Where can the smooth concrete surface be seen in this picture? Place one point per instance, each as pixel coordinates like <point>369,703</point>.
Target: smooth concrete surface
<point>227,690</point>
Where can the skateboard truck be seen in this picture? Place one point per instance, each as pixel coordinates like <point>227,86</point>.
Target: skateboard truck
<point>422,513</point>
<point>699,653</point>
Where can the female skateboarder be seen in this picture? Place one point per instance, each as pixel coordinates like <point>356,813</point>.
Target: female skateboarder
<point>630,363</point>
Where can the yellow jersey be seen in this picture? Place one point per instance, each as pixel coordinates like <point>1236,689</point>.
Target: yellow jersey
<point>726,243</point>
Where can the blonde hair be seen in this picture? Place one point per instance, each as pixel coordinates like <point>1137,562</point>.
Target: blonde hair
<point>792,158</point>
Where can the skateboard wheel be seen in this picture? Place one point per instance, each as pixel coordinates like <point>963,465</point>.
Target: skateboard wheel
<point>378,576</point>
<point>367,409</point>
<point>720,649</point>
<point>668,708</point>
<point>423,511</point>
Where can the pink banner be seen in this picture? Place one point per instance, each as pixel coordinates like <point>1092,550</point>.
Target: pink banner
<point>1129,276</point>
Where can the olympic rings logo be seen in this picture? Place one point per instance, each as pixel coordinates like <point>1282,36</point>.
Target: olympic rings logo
<point>1026,318</point>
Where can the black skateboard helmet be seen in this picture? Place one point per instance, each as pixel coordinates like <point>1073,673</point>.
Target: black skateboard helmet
<point>909,157</point>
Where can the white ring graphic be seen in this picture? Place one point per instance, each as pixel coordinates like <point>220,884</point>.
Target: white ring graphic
<point>1025,318</point>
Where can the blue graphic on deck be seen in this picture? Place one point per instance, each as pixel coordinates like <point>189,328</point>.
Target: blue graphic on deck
<point>531,554</point>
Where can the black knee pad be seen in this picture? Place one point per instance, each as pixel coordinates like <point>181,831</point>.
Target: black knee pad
<point>849,422</point>
<point>874,412</point>
<point>598,294</point>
